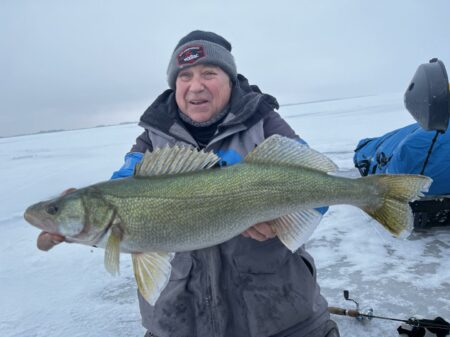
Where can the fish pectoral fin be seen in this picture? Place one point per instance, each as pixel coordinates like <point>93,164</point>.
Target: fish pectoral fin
<point>295,229</point>
<point>281,150</point>
<point>112,252</point>
<point>173,160</point>
<point>152,273</point>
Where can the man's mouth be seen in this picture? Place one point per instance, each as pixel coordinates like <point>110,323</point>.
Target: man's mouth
<point>198,102</point>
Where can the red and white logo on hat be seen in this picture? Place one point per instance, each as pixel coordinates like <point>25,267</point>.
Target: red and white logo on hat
<point>190,55</point>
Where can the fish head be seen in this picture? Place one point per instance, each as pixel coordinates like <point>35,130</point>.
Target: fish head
<point>62,215</point>
<point>78,216</point>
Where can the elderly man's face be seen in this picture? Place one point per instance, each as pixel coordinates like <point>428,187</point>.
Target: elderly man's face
<point>202,91</point>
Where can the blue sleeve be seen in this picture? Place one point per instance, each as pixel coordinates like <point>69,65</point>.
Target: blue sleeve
<point>127,169</point>
<point>322,210</point>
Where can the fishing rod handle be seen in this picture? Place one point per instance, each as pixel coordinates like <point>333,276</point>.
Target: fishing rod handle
<point>343,312</point>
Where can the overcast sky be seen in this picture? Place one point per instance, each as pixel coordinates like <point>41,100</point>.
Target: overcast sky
<point>72,64</point>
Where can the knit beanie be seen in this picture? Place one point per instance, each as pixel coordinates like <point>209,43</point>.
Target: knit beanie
<point>200,47</point>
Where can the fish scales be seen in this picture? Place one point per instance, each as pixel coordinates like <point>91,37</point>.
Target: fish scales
<point>195,210</point>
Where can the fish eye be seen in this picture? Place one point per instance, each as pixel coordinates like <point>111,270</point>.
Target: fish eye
<point>52,209</point>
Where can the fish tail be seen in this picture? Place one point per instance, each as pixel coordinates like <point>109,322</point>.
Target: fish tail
<point>397,191</point>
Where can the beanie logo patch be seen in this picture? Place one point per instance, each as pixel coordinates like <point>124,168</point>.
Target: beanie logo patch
<point>190,55</point>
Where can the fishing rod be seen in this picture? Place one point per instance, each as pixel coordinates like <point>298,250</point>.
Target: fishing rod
<point>437,325</point>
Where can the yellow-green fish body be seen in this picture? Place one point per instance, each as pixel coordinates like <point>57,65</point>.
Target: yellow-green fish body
<point>189,211</point>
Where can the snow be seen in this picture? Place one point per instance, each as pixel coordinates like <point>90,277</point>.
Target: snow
<point>67,292</point>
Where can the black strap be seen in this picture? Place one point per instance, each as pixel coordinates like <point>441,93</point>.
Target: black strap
<point>429,151</point>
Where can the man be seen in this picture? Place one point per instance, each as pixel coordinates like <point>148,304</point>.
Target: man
<point>250,285</point>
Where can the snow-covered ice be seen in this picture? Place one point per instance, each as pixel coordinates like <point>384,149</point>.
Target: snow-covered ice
<point>67,292</point>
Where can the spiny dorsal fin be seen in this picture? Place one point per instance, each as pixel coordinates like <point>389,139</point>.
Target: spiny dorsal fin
<point>172,160</point>
<point>281,150</point>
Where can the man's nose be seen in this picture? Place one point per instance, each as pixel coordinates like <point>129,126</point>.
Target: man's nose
<point>196,84</point>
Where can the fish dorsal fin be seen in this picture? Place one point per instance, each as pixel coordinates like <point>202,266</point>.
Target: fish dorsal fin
<point>281,150</point>
<point>296,228</point>
<point>173,160</point>
<point>152,273</point>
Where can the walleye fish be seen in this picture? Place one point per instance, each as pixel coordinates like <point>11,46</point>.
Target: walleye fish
<point>177,202</point>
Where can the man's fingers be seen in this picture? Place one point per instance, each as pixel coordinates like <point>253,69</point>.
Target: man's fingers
<point>254,234</point>
<point>265,229</point>
<point>245,234</point>
<point>47,241</point>
<point>261,232</point>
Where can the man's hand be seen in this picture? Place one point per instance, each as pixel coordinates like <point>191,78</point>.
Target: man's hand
<point>47,241</point>
<point>261,231</point>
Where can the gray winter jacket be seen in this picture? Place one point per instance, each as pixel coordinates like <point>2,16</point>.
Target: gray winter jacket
<point>242,287</point>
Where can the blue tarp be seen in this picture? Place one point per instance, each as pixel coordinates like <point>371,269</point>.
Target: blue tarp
<point>405,151</point>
